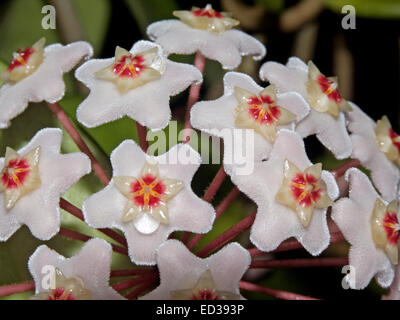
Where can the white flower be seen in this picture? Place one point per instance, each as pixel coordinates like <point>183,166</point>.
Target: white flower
<point>36,74</point>
<point>209,32</point>
<point>183,276</point>
<point>292,196</point>
<point>137,83</point>
<point>371,226</point>
<point>246,105</point>
<point>326,119</point>
<point>31,182</point>
<point>85,276</point>
<point>150,197</point>
<point>377,148</point>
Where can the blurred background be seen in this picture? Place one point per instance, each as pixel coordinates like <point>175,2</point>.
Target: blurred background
<point>366,60</point>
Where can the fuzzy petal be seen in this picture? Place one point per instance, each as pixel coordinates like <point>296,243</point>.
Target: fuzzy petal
<point>91,264</point>
<point>331,131</point>
<point>39,209</point>
<point>148,104</point>
<point>45,84</point>
<point>180,269</point>
<point>186,211</point>
<point>353,216</point>
<point>274,222</point>
<point>227,47</point>
<point>384,173</point>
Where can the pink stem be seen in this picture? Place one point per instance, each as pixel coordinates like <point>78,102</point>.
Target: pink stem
<point>131,272</point>
<point>70,128</point>
<point>215,185</point>
<point>17,288</point>
<point>142,134</point>
<point>300,263</point>
<point>219,211</point>
<point>126,284</point>
<point>227,236</point>
<point>194,94</point>
<point>140,289</point>
<point>280,294</point>
<point>69,207</point>
<point>338,172</point>
<point>71,234</point>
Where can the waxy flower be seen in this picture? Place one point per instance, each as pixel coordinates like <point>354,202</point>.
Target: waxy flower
<point>376,146</point>
<point>292,196</point>
<point>183,276</point>
<point>326,119</point>
<point>371,225</point>
<point>246,105</point>
<point>31,182</point>
<point>209,32</point>
<point>85,276</point>
<point>150,197</point>
<point>36,74</point>
<point>136,83</point>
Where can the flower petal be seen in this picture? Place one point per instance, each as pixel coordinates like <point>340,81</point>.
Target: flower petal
<point>180,269</point>
<point>353,216</point>
<point>91,264</point>
<point>227,48</point>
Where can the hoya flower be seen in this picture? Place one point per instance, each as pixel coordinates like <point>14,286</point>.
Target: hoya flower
<point>148,198</point>
<point>136,83</point>
<point>326,119</point>
<point>183,276</point>
<point>246,105</point>
<point>31,182</point>
<point>84,276</point>
<point>36,74</point>
<point>209,32</point>
<point>292,196</point>
<point>377,147</point>
<point>371,225</point>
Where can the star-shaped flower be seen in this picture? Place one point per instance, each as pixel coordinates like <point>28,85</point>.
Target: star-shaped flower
<point>85,276</point>
<point>371,226</point>
<point>183,276</point>
<point>326,119</point>
<point>209,32</point>
<point>32,181</point>
<point>150,197</point>
<point>292,196</point>
<point>375,145</point>
<point>36,74</point>
<point>246,105</point>
<point>137,83</point>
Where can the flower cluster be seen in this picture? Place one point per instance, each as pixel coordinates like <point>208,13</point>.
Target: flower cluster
<point>150,197</point>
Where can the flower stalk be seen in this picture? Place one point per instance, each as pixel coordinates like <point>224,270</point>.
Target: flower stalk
<point>71,130</point>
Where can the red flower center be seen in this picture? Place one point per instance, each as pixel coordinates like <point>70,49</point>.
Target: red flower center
<point>60,294</point>
<point>21,58</point>
<point>395,139</point>
<point>129,66</point>
<point>392,227</point>
<point>329,87</point>
<point>210,13</point>
<point>15,174</point>
<point>263,109</point>
<point>147,191</point>
<point>205,294</point>
<point>305,189</point>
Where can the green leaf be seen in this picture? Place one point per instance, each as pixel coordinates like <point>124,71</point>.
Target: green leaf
<point>94,17</point>
<point>385,9</point>
<point>148,11</point>
<point>272,5</point>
